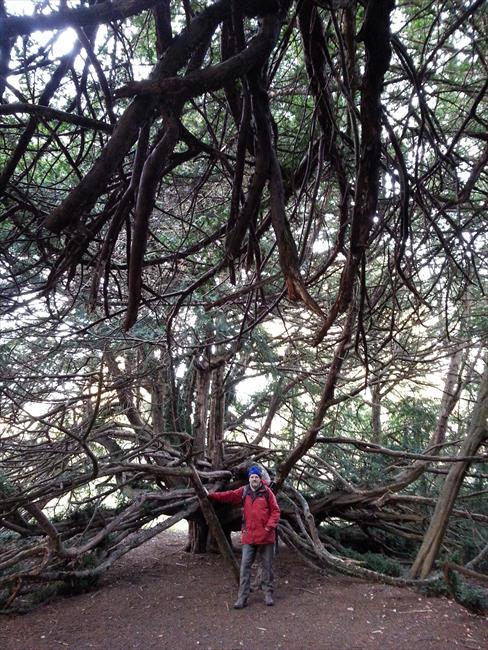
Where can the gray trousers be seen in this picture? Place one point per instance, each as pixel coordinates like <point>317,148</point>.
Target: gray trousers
<point>249,552</point>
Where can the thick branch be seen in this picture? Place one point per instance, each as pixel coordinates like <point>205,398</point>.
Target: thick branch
<point>99,13</point>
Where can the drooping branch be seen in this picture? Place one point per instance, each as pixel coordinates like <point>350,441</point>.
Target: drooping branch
<point>150,177</point>
<point>214,525</point>
<point>375,33</point>
<point>82,198</point>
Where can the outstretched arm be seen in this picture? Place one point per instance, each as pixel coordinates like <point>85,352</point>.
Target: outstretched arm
<point>229,496</point>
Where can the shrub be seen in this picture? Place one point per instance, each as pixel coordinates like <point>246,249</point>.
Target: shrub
<point>383,564</point>
<point>475,599</point>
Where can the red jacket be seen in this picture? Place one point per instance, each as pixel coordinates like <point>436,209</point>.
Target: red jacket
<point>261,513</point>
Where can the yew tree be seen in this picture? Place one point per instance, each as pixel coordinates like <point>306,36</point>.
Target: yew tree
<point>242,231</point>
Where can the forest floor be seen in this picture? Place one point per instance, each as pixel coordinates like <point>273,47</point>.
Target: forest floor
<point>158,596</point>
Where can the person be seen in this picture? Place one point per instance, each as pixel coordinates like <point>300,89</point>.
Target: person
<point>261,515</point>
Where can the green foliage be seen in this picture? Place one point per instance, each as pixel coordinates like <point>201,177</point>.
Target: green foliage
<point>6,487</point>
<point>378,562</point>
<point>411,421</point>
<point>42,595</point>
<point>382,564</point>
<point>4,596</point>
<point>353,543</point>
<point>91,512</point>
<point>469,550</point>
<point>436,587</point>
<point>473,598</point>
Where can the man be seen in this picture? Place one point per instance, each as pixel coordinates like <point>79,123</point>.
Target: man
<point>260,517</point>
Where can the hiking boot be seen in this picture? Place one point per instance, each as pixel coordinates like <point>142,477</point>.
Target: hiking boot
<point>268,599</point>
<point>240,603</point>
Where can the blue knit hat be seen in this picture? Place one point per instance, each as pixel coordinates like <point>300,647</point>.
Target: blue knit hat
<point>255,469</point>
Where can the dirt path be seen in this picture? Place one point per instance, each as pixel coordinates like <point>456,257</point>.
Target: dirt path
<point>160,597</point>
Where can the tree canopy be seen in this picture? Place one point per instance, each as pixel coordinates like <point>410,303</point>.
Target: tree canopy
<point>237,231</point>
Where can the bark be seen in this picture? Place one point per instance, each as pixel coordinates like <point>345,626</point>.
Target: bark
<point>47,113</point>
<point>216,419</point>
<point>228,48</point>
<point>197,535</point>
<point>146,198</point>
<point>201,410</point>
<point>452,387</point>
<point>288,254</point>
<point>159,395</point>
<point>450,396</point>
<point>275,402</point>
<point>315,48</point>
<point>83,197</point>
<point>476,435</point>
<point>212,77</point>
<point>162,22</point>
<point>376,414</point>
<point>124,394</point>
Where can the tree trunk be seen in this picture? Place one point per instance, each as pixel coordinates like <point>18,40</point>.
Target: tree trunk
<point>477,433</point>
<point>201,410</point>
<point>197,535</point>
<point>158,398</point>
<point>376,414</point>
<point>216,419</point>
<point>450,396</point>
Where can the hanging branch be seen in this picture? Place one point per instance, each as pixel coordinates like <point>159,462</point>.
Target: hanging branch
<point>150,178</point>
<point>375,33</point>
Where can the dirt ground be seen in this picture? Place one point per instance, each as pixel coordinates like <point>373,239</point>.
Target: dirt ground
<point>158,596</point>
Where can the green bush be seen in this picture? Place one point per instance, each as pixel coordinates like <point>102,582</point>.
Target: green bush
<point>437,587</point>
<point>376,562</point>
<point>383,564</point>
<point>473,598</point>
